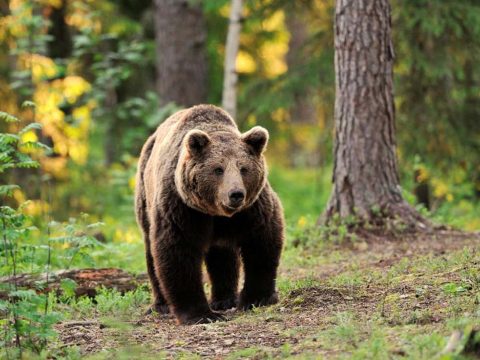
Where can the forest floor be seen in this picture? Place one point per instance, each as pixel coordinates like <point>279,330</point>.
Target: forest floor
<point>396,298</point>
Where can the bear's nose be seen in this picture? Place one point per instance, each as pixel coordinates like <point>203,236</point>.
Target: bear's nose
<point>236,197</point>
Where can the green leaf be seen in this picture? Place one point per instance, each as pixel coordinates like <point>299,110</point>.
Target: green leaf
<point>454,289</point>
<point>32,126</point>
<point>23,294</point>
<point>8,117</point>
<point>36,145</point>
<point>68,286</point>
<point>7,139</point>
<point>28,104</point>
<point>28,164</point>
<point>7,190</point>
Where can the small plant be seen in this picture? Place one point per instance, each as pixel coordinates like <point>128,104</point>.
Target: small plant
<point>75,238</point>
<point>27,320</point>
<point>454,289</point>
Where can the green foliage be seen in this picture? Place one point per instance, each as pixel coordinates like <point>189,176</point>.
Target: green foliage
<point>304,192</point>
<point>112,303</point>
<point>76,241</point>
<point>454,289</point>
<point>27,320</point>
<point>437,46</point>
<point>11,156</point>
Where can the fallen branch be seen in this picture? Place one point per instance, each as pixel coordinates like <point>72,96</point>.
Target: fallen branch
<point>87,281</point>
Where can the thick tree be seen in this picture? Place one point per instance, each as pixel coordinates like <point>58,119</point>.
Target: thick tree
<point>180,35</point>
<point>365,175</point>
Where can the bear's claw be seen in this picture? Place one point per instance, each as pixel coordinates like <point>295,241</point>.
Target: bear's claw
<point>248,303</point>
<point>223,304</point>
<point>158,308</point>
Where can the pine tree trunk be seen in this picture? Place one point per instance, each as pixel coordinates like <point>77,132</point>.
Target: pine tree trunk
<point>230,77</point>
<point>365,176</point>
<point>180,34</point>
<point>302,111</point>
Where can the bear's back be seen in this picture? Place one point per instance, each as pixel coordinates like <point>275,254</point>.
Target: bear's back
<point>203,117</point>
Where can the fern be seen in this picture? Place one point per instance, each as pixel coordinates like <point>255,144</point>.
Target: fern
<point>36,145</point>
<point>9,118</point>
<point>29,314</point>
<point>32,126</point>
<point>28,104</point>
<point>8,139</point>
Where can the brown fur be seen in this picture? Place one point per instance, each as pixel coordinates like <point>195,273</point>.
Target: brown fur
<point>202,194</point>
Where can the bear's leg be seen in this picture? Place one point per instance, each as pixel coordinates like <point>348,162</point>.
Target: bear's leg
<point>178,265</point>
<point>261,256</point>
<point>222,266</point>
<point>159,304</point>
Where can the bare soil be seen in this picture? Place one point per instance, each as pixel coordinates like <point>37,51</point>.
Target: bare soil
<point>302,322</point>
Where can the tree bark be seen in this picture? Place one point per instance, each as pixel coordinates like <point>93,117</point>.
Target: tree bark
<point>87,281</point>
<point>365,176</point>
<point>303,109</point>
<point>180,35</point>
<point>230,77</point>
<point>302,112</point>
<point>61,46</point>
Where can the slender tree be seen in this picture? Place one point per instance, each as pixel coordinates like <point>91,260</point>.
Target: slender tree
<point>61,46</point>
<point>365,175</point>
<point>180,35</point>
<point>302,111</point>
<point>230,78</point>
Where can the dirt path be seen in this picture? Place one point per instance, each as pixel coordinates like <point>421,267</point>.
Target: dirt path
<point>387,285</point>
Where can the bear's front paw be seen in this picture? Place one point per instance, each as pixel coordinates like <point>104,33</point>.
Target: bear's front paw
<point>249,302</point>
<point>224,304</point>
<point>158,308</point>
<point>206,318</point>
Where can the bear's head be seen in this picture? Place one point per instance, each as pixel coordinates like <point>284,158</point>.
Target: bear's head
<point>222,172</point>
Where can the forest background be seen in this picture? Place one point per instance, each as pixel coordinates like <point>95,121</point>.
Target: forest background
<point>88,73</point>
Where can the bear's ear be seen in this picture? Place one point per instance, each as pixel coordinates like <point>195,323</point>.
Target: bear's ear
<point>257,138</point>
<point>196,141</point>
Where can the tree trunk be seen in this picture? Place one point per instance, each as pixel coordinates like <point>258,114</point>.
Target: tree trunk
<point>61,46</point>
<point>180,34</point>
<point>230,77</point>
<point>302,111</point>
<point>87,281</point>
<point>365,176</point>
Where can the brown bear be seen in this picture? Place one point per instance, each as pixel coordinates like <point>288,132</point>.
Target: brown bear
<point>202,194</point>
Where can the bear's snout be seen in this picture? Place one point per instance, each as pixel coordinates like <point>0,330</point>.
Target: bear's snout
<point>236,197</point>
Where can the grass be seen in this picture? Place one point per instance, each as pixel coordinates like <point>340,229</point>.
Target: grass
<point>398,299</point>
<point>304,193</point>
<point>341,297</point>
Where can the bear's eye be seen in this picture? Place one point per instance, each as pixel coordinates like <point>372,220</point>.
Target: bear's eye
<point>243,170</point>
<point>218,171</point>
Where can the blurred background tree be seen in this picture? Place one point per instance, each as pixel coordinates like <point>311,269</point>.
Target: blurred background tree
<point>181,35</point>
<point>105,73</point>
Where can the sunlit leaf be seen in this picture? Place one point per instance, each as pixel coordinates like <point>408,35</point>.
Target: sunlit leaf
<point>7,117</point>
<point>32,126</point>
<point>28,104</point>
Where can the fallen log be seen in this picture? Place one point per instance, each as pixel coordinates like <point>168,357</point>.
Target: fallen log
<point>87,281</point>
